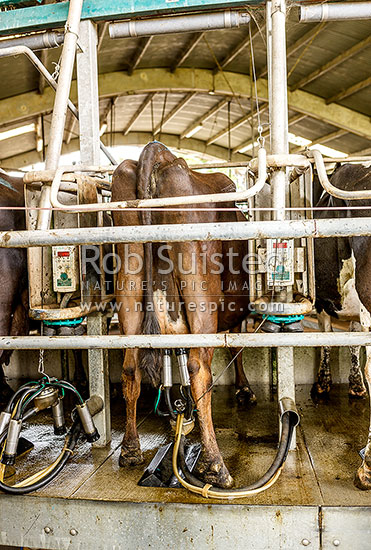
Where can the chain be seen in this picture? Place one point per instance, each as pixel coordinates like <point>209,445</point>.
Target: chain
<point>41,368</point>
<point>57,69</point>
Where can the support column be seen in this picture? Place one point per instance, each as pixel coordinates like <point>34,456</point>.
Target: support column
<point>280,145</point>
<point>88,104</point>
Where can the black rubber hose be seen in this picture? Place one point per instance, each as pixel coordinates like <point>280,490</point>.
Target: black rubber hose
<point>9,406</point>
<point>169,403</point>
<point>73,436</point>
<point>189,406</point>
<point>283,449</point>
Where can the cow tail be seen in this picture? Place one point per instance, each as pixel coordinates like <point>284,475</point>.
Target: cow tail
<point>149,359</point>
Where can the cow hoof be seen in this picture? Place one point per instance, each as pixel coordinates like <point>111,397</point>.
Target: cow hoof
<point>362,478</point>
<point>130,457</point>
<point>246,397</point>
<point>357,392</point>
<point>215,473</point>
<point>319,391</point>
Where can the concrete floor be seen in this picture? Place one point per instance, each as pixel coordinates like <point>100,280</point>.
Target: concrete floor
<point>318,474</point>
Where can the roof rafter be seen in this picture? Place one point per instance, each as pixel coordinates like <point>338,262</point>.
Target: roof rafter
<point>350,91</point>
<point>302,41</point>
<point>185,81</point>
<point>344,56</point>
<point>196,38</point>
<point>133,138</point>
<point>203,118</point>
<point>174,111</point>
<point>235,125</point>
<point>322,140</point>
<point>247,143</point>
<point>138,112</point>
<point>139,54</point>
<point>236,51</point>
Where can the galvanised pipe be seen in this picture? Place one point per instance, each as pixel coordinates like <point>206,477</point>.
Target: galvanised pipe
<point>285,229</point>
<point>60,105</point>
<point>35,42</point>
<point>335,12</point>
<point>161,341</point>
<point>176,24</point>
<point>18,50</point>
<point>331,189</point>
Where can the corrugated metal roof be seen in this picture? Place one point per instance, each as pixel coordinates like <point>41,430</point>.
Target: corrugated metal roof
<point>326,42</point>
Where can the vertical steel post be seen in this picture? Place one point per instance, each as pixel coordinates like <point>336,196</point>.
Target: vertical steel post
<point>88,103</point>
<point>39,262</point>
<point>280,145</point>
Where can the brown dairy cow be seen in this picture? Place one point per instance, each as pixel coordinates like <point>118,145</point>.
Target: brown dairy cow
<point>13,272</point>
<point>191,287</point>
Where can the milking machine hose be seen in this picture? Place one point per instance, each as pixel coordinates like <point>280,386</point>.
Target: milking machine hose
<point>42,478</point>
<point>17,408</point>
<point>289,419</point>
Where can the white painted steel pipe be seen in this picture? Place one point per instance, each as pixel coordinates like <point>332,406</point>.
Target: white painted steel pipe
<point>331,189</point>
<point>179,23</point>
<point>60,105</point>
<point>286,229</point>
<point>335,12</point>
<point>159,341</point>
<point>278,102</point>
<point>239,196</point>
<point>35,42</point>
<point>21,49</point>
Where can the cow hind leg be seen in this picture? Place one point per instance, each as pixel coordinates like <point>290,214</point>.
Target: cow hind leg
<point>323,384</point>
<point>357,388</point>
<point>131,454</point>
<point>244,394</point>
<point>210,466</point>
<point>363,476</point>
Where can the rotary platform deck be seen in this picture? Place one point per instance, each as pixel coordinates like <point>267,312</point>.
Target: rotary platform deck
<point>95,504</point>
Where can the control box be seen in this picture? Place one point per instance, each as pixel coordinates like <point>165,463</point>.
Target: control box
<point>65,268</point>
<point>280,262</point>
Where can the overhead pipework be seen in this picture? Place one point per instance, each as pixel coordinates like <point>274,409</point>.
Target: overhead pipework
<point>177,24</point>
<point>35,42</point>
<point>335,12</point>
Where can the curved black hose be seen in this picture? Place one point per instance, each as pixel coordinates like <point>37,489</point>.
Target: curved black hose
<point>9,406</point>
<point>283,449</point>
<point>169,403</point>
<point>73,436</point>
<point>189,406</point>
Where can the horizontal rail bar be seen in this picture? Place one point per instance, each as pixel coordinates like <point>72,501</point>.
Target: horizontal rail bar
<point>335,12</point>
<point>159,341</point>
<point>331,189</point>
<point>287,229</point>
<point>237,196</point>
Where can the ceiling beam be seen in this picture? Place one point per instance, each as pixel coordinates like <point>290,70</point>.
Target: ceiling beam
<point>322,140</point>
<point>194,41</point>
<point>235,125</point>
<point>133,138</point>
<point>31,104</point>
<point>202,119</point>
<point>139,54</point>
<point>302,41</point>
<point>236,51</point>
<point>174,111</point>
<point>247,143</point>
<point>344,56</point>
<point>138,112</point>
<point>350,91</point>
<point>106,113</point>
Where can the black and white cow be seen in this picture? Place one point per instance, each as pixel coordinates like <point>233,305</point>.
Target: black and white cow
<point>343,285</point>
